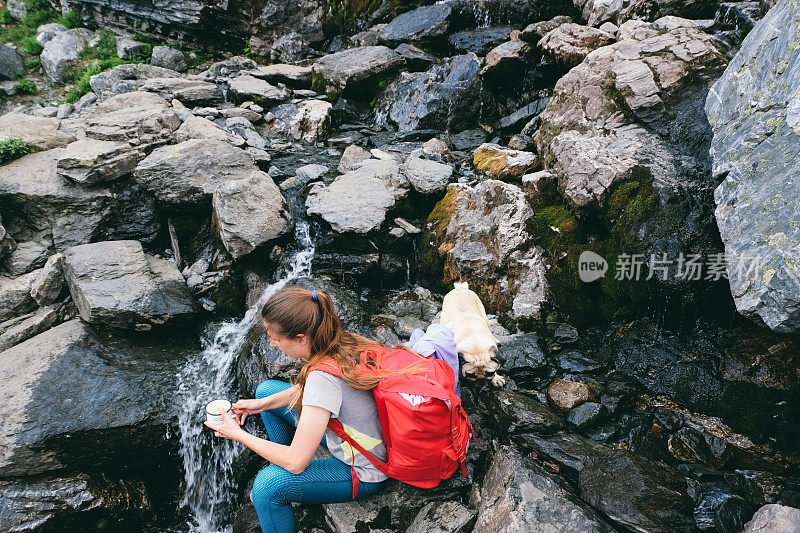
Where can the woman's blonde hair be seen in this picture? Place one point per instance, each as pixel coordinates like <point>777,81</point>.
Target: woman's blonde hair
<point>293,311</point>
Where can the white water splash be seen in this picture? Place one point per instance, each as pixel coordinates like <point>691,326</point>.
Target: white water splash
<point>208,460</point>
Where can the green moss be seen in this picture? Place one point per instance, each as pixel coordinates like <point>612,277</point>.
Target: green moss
<point>442,212</point>
<point>12,149</point>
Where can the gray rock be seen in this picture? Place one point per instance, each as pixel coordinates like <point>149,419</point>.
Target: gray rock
<point>91,161</point>
<point>755,115</point>
<point>504,57</point>
<point>585,414</point>
<point>128,48</point>
<point>190,92</point>
<point>308,120</point>
<point>418,25</point>
<point>234,112</point>
<point>47,285</point>
<point>250,212</point>
<point>145,126</point>
<point>15,295</point>
<point>126,78</point>
<point>535,31</point>
<point>75,368</point>
<point>7,242</point>
<point>348,69</point>
<point>496,162</point>
<point>64,111</point>
<point>292,75</point>
<point>17,9</point>
<point>519,412</point>
<point>479,41</point>
<point>444,517</point>
<point>774,518</point>
<point>519,495</point>
<point>46,32</point>
<point>247,87</point>
<point>26,256</point>
<point>117,284</point>
<point>188,173</point>
<point>61,50</point>
<point>352,157</point>
<point>521,358</point>
<point>22,328</point>
<point>617,11</point>
<point>289,48</point>
<point>427,177</point>
<point>166,57</point>
<point>438,98</point>
<point>415,58</point>
<point>200,128</point>
<point>359,200</point>
<point>570,43</point>
<point>230,65</point>
<point>42,133</point>
<point>11,64</point>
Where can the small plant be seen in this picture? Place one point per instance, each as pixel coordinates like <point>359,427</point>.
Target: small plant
<point>31,46</point>
<point>72,19</point>
<point>82,85</point>
<point>33,63</point>
<point>5,17</point>
<point>12,149</point>
<point>25,87</point>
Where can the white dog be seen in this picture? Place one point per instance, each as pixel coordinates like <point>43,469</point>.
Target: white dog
<point>463,313</point>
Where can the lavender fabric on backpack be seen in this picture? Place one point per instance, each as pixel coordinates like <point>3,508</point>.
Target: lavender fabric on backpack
<point>438,342</point>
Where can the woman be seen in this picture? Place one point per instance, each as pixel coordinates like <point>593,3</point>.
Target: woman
<point>304,325</point>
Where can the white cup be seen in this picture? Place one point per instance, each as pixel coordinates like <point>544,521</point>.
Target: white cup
<point>213,410</point>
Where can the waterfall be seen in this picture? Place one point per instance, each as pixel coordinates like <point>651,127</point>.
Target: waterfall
<point>207,460</point>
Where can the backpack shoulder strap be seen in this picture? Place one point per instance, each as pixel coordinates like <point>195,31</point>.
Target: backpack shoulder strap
<point>329,366</point>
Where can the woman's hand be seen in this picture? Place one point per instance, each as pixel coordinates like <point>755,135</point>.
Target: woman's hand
<point>243,408</point>
<point>230,428</point>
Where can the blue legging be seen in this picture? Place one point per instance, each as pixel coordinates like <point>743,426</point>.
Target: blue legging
<point>322,481</point>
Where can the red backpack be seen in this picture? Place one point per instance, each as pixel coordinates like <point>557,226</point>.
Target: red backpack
<point>426,438</point>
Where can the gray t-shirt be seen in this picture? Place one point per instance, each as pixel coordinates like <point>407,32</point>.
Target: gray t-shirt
<point>358,413</point>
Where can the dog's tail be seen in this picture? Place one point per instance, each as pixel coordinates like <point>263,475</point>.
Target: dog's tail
<point>461,285</point>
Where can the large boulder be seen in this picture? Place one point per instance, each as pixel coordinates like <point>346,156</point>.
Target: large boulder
<point>440,98</point>
<point>61,50</point>
<point>418,25</point>
<point>89,161</point>
<point>482,233</point>
<point>11,64</point>
<point>519,495</point>
<point>140,119</point>
<point>596,12</point>
<point>358,200</point>
<point>40,132</point>
<point>426,176</point>
<point>308,120</point>
<point>293,75</point>
<point>39,205</point>
<point>187,174</point>
<point>166,57</point>
<point>351,69</point>
<point>250,212</point>
<point>73,368</point>
<point>190,92</point>
<point>570,43</point>
<point>246,87</point>
<point>195,127</point>
<point>15,295</point>
<point>774,518</point>
<point>500,163</point>
<point>126,78</point>
<point>117,284</point>
<point>754,110</point>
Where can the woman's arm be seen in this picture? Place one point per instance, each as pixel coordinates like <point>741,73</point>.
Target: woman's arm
<point>293,458</point>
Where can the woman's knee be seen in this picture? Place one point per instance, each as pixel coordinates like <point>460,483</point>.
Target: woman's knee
<point>269,387</point>
<point>270,484</point>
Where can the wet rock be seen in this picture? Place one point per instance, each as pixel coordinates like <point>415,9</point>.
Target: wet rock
<point>479,41</point>
<point>576,362</point>
<point>46,286</point>
<point>289,48</point>
<point>617,12</point>
<point>15,295</point>
<point>250,212</point>
<point>415,58</point>
<point>128,48</point>
<point>437,98</point>
<point>496,162</point>
<point>468,140</point>
<point>292,75</point>
<point>418,25</point>
<point>189,92</point>
<point>166,57</point>
<point>61,50</point>
<point>482,230</point>
<point>308,120</point>
<point>505,56</point>
<point>774,518</point>
<point>352,157</point>
<point>23,327</point>
<point>444,517</point>
<point>40,132</point>
<point>126,78</point>
<point>571,43</point>
<point>521,358</point>
<point>535,31</point>
<point>116,283</point>
<point>526,113</point>
<point>11,64</point>
<point>519,495</point>
<point>359,199</point>
<point>190,172</point>
<point>228,66</point>
<point>756,121</point>
<point>586,414</point>
<point>565,334</point>
<point>247,87</point>
<point>348,69</point>
<point>635,492</point>
<point>200,128</point>
<point>518,412</point>
<point>566,394</point>
<point>75,367</point>
<point>90,161</point>
<point>427,177</point>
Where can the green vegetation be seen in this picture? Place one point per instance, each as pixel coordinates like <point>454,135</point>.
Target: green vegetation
<point>12,149</point>
<point>81,86</point>
<point>31,46</point>
<point>5,17</point>
<point>72,20</point>
<point>25,87</point>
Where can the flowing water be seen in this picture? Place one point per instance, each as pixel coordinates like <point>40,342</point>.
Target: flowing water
<point>207,460</point>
